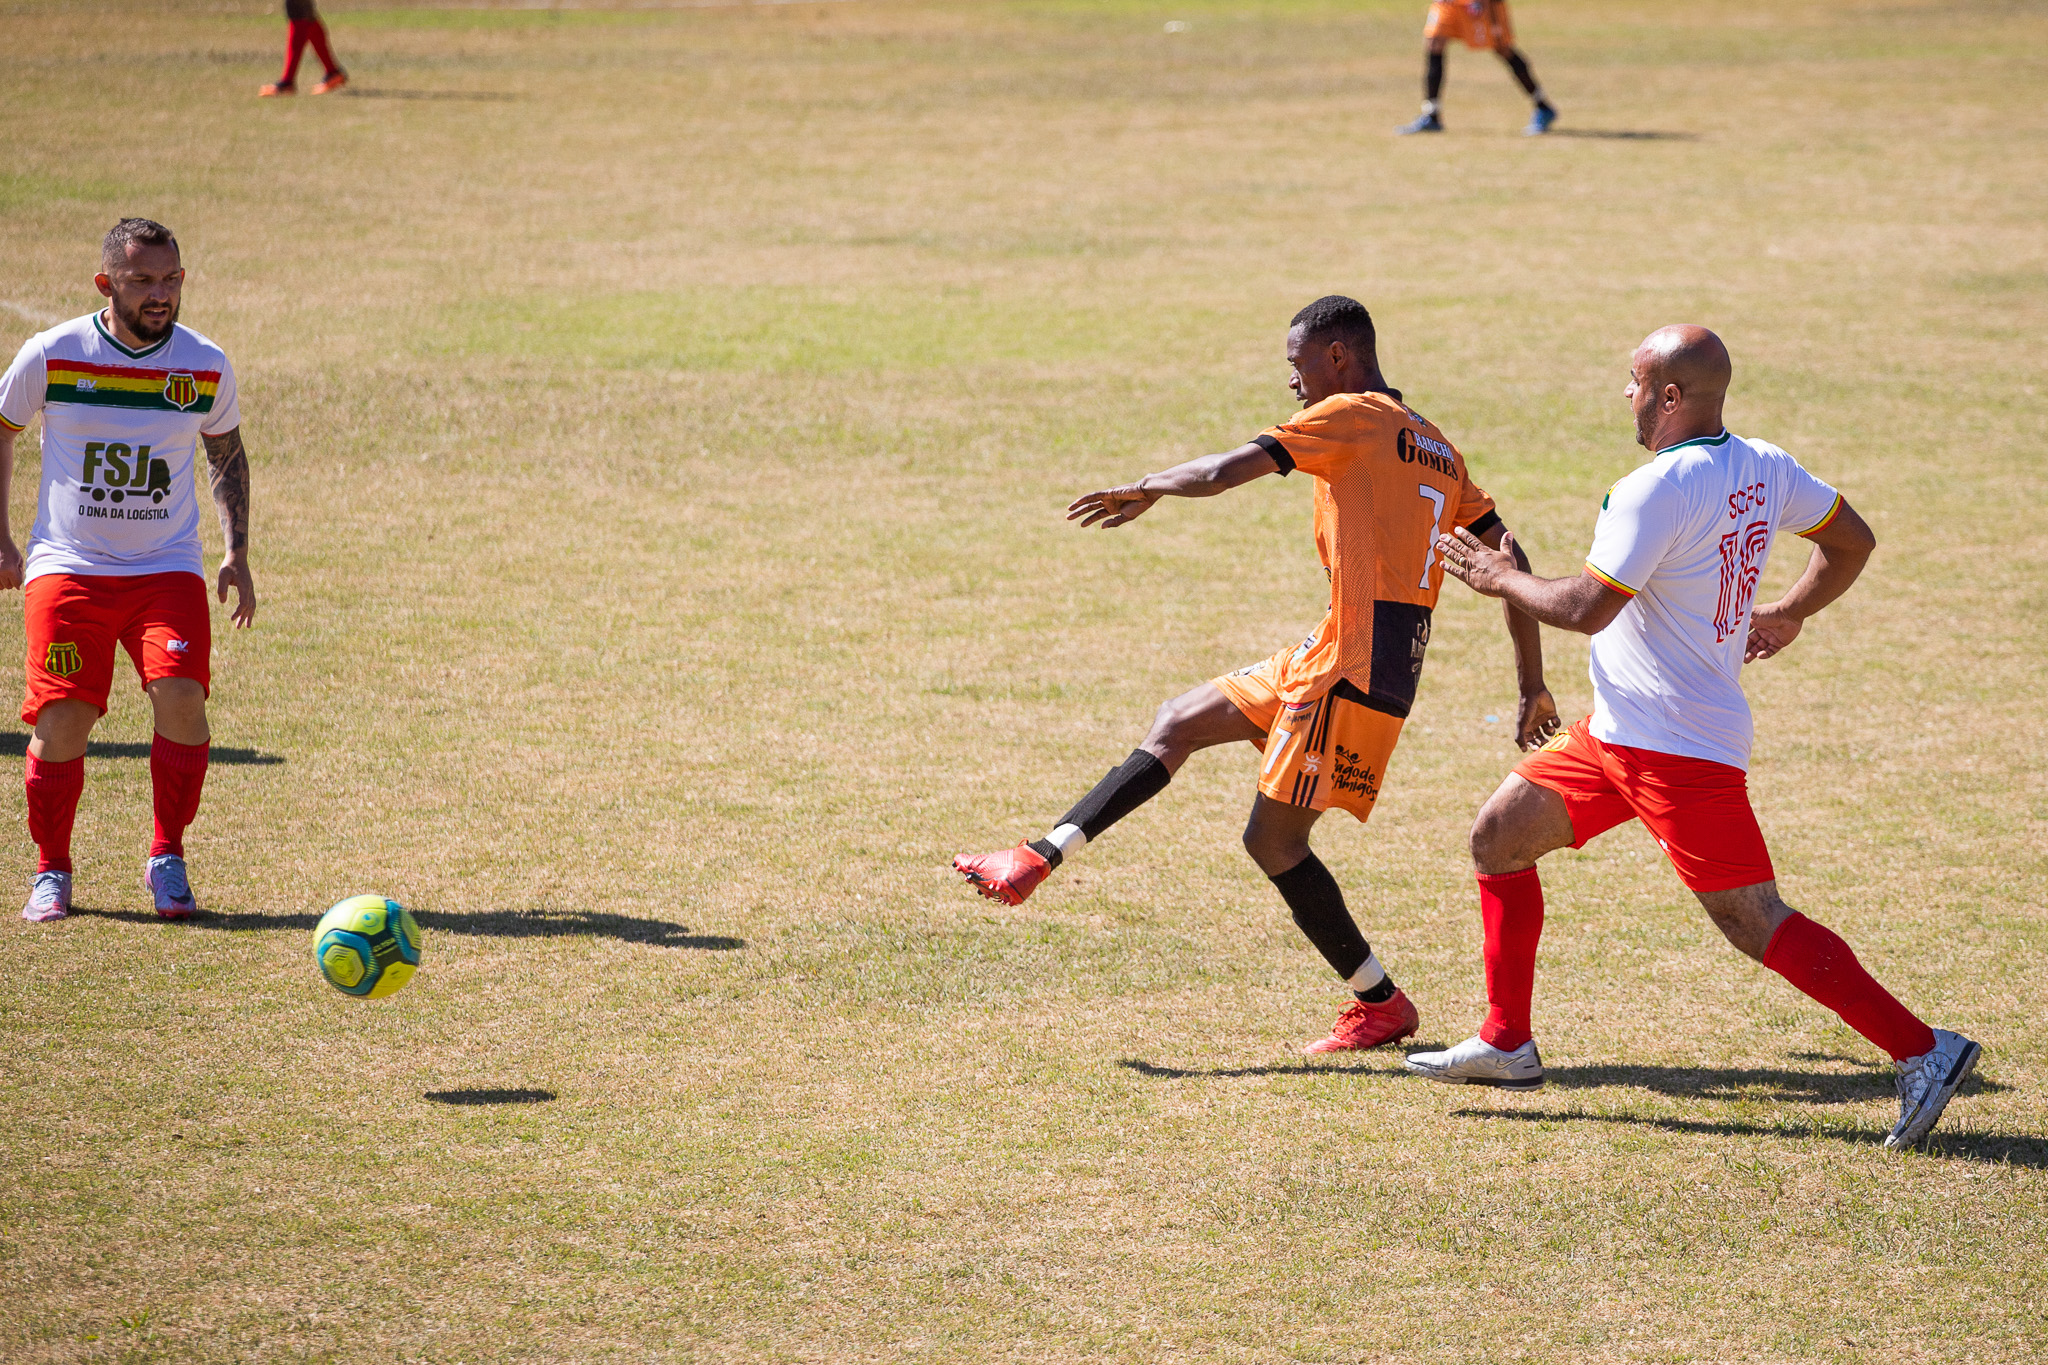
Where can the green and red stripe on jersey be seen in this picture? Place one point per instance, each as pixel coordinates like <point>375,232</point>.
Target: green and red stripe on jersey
<point>130,386</point>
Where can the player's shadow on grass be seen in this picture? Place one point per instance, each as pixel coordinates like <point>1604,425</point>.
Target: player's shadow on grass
<point>1996,1148</point>
<point>1623,134</point>
<point>475,96</point>
<point>16,743</point>
<point>1231,1073</point>
<point>1872,1081</point>
<point>477,1096</point>
<point>472,923</point>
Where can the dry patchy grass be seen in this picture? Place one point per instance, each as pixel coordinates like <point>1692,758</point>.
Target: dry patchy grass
<point>661,420</point>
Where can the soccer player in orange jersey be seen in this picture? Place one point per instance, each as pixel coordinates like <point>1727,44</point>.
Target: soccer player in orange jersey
<point>1326,712</point>
<point>303,26</point>
<point>1479,24</point>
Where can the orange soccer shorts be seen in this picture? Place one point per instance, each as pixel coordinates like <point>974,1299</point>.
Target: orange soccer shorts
<point>74,620</point>
<point>1475,23</point>
<point>1698,810</point>
<point>1330,751</point>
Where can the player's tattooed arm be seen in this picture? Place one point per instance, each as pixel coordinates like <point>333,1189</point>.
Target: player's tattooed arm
<point>228,464</point>
<point>1202,478</point>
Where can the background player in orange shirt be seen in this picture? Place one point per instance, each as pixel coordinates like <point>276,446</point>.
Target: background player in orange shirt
<point>1477,24</point>
<point>1325,713</point>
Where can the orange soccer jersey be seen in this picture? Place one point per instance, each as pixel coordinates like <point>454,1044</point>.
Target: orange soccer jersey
<point>1475,23</point>
<point>1387,482</point>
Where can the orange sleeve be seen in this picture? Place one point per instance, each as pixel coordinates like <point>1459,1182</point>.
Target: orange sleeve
<point>1322,441</point>
<point>1474,506</point>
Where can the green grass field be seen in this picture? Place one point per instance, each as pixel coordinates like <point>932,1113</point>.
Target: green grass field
<point>661,422</point>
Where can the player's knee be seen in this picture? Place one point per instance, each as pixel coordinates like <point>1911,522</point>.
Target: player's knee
<point>1273,850</point>
<point>1493,839</point>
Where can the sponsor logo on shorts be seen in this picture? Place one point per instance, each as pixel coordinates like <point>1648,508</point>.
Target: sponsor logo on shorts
<point>181,391</point>
<point>62,658</point>
<point>178,646</point>
<point>1354,776</point>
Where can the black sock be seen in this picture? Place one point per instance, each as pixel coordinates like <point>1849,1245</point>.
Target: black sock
<point>1433,82</point>
<point>1046,849</point>
<point>1379,994</point>
<point>1318,905</point>
<point>1520,66</point>
<point>1122,790</point>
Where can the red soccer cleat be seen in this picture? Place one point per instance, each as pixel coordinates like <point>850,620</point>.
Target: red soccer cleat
<point>332,83</point>
<point>1008,876</point>
<point>271,92</point>
<point>1363,1026</point>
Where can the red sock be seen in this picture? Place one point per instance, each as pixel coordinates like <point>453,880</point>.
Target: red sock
<point>53,791</point>
<point>1511,907</point>
<point>1814,958</point>
<point>325,53</point>
<point>296,34</point>
<point>176,773</point>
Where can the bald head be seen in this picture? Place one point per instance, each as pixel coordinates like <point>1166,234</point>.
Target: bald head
<point>1678,379</point>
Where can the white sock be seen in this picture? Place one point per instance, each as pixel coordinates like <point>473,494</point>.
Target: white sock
<point>1368,975</point>
<point>1536,96</point>
<point>1428,107</point>
<point>1068,839</point>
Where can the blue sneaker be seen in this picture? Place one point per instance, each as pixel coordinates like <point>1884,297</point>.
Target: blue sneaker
<point>165,878</point>
<point>49,898</point>
<point>1428,123</point>
<point>1540,121</point>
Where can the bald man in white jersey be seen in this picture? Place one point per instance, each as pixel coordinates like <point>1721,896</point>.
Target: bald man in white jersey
<point>1666,596</point>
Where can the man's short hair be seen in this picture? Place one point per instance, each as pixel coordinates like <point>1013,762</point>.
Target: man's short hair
<point>141,231</point>
<point>1336,318</point>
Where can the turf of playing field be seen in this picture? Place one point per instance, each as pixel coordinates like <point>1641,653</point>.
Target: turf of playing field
<point>661,420</point>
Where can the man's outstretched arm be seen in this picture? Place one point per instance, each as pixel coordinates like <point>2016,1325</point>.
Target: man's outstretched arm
<point>1202,478</point>
<point>1583,604</point>
<point>1840,550</point>
<point>1536,716</point>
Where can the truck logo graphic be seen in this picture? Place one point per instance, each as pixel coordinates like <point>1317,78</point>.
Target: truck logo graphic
<point>114,471</point>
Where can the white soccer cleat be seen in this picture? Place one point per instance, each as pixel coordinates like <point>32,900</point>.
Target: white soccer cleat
<point>1928,1082</point>
<point>1478,1062</point>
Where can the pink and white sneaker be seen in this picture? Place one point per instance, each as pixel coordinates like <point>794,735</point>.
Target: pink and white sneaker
<point>49,897</point>
<point>165,878</point>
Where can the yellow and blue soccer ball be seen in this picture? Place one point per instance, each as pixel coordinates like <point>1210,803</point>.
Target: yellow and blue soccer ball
<point>367,946</point>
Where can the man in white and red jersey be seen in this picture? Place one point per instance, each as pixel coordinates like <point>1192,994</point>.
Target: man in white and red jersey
<point>126,396</point>
<point>1666,596</point>
<point>1326,712</point>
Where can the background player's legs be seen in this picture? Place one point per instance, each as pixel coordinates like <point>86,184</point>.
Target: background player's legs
<point>1432,89</point>
<point>1519,823</point>
<point>1524,77</point>
<point>177,760</point>
<point>1817,961</point>
<point>56,777</point>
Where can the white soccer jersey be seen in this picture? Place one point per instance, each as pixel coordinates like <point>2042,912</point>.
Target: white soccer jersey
<point>1686,537</point>
<point>121,428</point>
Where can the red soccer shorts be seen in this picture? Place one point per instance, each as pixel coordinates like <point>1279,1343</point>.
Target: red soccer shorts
<point>1698,811</point>
<point>74,620</point>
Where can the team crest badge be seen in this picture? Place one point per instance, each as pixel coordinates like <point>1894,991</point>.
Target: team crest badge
<point>181,391</point>
<point>62,659</point>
